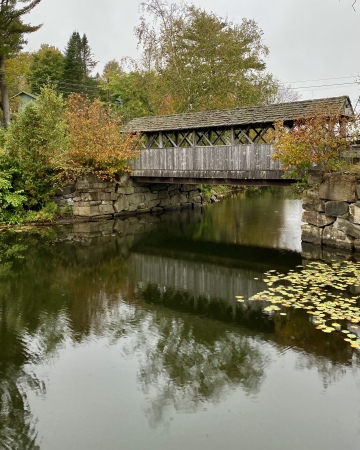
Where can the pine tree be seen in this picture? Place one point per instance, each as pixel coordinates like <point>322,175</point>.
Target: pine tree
<point>86,55</point>
<point>78,64</point>
<point>12,31</point>
<point>73,67</point>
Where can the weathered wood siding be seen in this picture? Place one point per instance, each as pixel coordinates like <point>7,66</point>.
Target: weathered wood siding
<point>223,161</point>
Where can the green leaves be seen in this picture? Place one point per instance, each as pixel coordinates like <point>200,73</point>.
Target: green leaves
<point>35,145</point>
<point>11,200</point>
<point>202,61</point>
<point>46,64</point>
<point>77,66</point>
<point>52,141</point>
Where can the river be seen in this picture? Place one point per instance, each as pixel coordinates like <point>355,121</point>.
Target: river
<point>127,335</point>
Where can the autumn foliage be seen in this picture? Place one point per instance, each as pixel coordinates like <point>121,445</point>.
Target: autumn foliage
<point>319,140</point>
<point>95,142</point>
<point>52,142</point>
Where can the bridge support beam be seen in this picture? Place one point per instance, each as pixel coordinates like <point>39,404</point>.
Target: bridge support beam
<point>216,181</point>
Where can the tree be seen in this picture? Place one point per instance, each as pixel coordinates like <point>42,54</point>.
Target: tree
<point>95,144</point>
<point>47,65</point>
<point>317,140</point>
<point>126,91</point>
<point>87,57</point>
<point>12,31</point>
<point>36,148</point>
<point>78,64</point>
<point>16,79</point>
<point>285,94</point>
<point>52,141</point>
<point>202,61</point>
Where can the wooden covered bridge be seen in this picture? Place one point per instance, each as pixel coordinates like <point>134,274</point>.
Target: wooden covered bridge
<point>220,147</point>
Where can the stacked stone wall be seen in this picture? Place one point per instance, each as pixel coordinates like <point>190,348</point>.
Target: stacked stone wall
<point>94,198</point>
<point>332,211</point>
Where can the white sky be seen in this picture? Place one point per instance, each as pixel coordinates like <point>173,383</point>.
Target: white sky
<point>308,39</point>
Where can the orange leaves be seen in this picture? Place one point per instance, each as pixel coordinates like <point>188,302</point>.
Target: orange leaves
<point>315,141</point>
<point>96,144</point>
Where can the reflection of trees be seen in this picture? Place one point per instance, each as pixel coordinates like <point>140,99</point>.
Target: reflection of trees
<point>329,354</point>
<point>252,220</point>
<point>190,348</point>
<point>48,293</point>
<point>16,429</point>
<point>187,361</point>
<point>16,423</point>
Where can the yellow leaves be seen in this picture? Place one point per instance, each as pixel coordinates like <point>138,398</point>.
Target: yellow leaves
<point>319,139</point>
<point>95,139</point>
<point>320,290</point>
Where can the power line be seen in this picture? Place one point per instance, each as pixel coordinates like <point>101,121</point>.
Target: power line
<point>321,79</point>
<point>320,86</point>
<point>57,82</point>
<point>67,87</point>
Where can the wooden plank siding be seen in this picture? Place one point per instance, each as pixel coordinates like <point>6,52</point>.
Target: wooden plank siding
<point>253,161</point>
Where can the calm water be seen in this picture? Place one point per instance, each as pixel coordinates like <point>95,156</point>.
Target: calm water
<point>126,335</point>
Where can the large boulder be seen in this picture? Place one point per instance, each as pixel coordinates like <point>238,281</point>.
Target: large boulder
<point>339,186</point>
<point>334,236</point>
<point>336,208</point>
<point>354,210</point>
<point>312,201</point>
<point>311,233</point>
<point>316,218</point>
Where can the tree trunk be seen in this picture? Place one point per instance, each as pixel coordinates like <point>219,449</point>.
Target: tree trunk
<point>4,94</point>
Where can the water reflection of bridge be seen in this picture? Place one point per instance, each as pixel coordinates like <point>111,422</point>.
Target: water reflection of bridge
<point>202,277</point>
<point>198,278</point>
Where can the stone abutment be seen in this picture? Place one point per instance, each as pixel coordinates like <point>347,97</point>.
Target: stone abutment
<point>332,211</point>
<point>97,199</point>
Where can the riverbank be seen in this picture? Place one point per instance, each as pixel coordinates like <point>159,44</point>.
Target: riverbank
<point>93,200</point>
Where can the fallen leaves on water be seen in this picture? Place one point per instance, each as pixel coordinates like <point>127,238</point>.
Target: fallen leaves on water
<point>322,290</point>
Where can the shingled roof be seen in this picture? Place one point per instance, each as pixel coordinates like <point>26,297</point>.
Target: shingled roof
<point>241,116</point>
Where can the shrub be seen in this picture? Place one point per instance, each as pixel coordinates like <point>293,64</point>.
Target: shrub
<point>11,201</point>
<point>315,141</point>
<point>51,142</point>
<point>36,146</point>
<point>95,142</point>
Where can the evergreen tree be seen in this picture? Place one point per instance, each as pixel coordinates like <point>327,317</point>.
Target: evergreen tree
<point>12,31</point>
<point>78,64</point>
<point>86,56</point>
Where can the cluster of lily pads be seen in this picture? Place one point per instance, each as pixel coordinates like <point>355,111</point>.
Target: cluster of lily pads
<point>324,291</point>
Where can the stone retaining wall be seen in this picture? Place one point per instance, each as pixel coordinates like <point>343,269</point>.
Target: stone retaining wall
<point>332,211</point>
<point>94,198</point>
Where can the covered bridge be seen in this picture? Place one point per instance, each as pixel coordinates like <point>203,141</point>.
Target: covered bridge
<point>229,146</point>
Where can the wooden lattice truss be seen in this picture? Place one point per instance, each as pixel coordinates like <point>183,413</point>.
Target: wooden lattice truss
<point>250,134</point>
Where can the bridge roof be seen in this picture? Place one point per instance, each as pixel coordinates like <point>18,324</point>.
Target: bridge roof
<point>241,116</point>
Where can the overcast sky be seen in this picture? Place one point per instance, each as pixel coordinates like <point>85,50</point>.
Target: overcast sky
<point>312,42</point>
